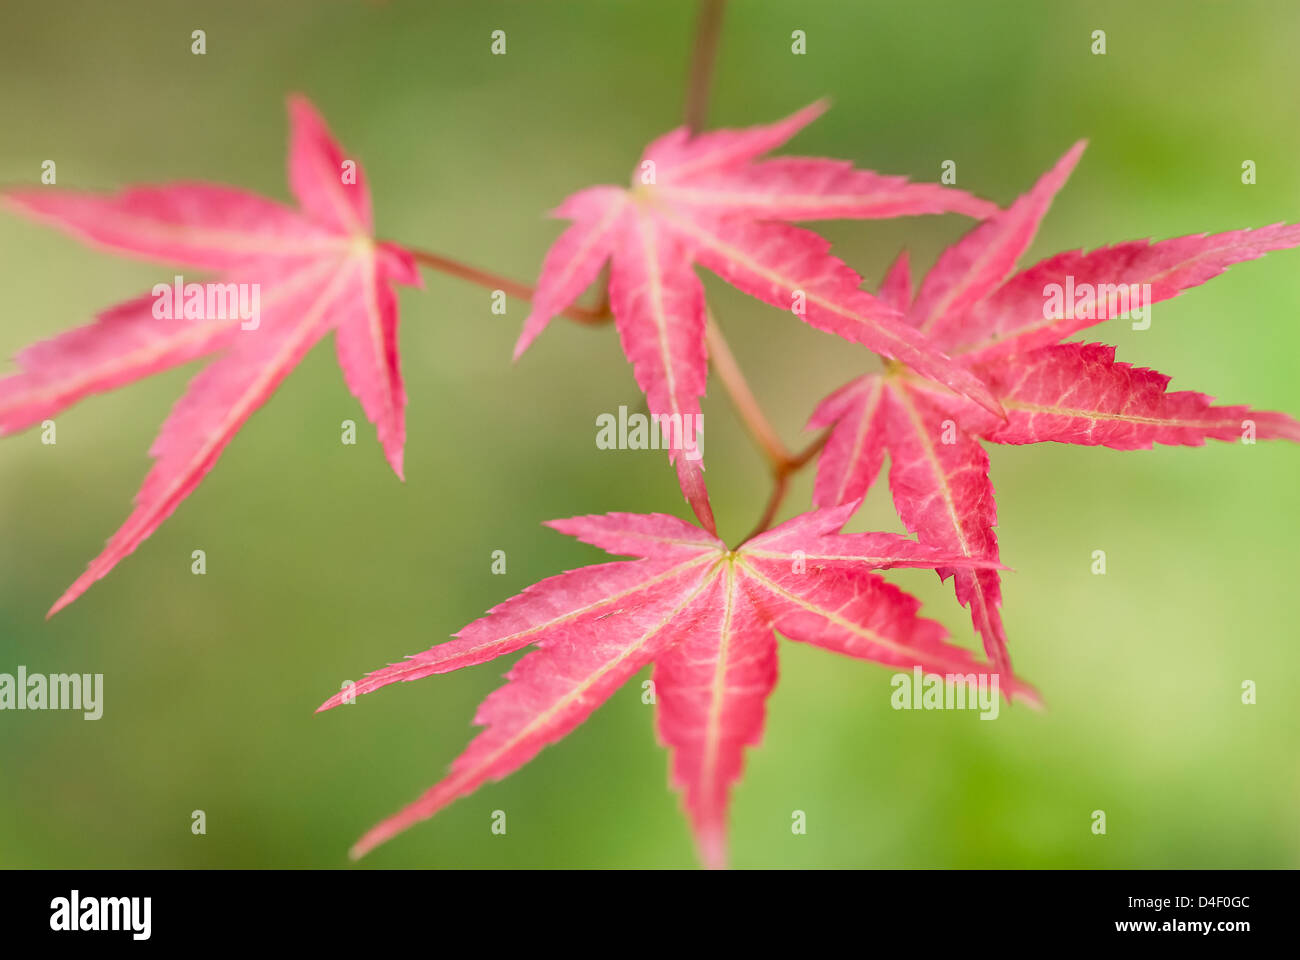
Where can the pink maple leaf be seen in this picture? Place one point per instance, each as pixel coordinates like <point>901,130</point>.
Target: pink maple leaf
<point>705,616</point>
<point>314,270</point>
<point>1006,331</point>
<point>707,200</point>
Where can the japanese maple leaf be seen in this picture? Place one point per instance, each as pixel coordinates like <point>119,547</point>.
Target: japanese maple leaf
<point>706,199</point>
<point>317,269</point>
<point>1006,331</point>
<point>705,616</point>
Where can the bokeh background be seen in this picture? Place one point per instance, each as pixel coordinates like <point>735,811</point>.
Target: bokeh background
<point>322,566</point>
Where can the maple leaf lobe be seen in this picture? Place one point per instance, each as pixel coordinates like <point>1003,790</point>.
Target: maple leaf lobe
<point>316,270</point>
<point>707,200</point>
<point>995,323</point>
<point>706,616</point>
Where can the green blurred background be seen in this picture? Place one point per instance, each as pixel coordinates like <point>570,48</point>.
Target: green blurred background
<point>321,565</point>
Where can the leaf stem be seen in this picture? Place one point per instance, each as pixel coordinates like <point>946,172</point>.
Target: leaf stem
<point>708,30</point>
<point>781,482</point>
<point>512,288</point>
<point>782,461</point>
<point>728,371</point>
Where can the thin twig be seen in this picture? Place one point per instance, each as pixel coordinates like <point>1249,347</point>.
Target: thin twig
<point>780,483</point>
<point>781,474</point>
<point>728,371</point>
<point>708,30</point>
<point>512,288</point>
<point>802,458</point>
<point>782,461</point>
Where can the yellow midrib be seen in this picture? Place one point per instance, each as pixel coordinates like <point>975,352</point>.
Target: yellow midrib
<point>1003,336</point>
<point>868,415</point>
<point>595,235</point>
<point>688,195</point>
<point>460,777</point>
<point>1095,415</point>
<point>734,253</point>
<point>708,772</point>
<point>573,614</point>
<point>646,230</point>
<point>832,617</point>
<point>242,406</point>
<point>941,478</point>
<point>146,353</point>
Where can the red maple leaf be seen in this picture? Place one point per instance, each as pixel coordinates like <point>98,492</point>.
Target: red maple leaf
<point>1006,331</point>
<point>706,200</point>
<point>705,616</point>
<point>312,270</point>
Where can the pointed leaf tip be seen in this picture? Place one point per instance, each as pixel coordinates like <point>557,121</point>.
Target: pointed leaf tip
<point>309,283</point>
<point>718,205</point>
<point>521,345</point>
<point>708,627</point>
<point>1030,697</point>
